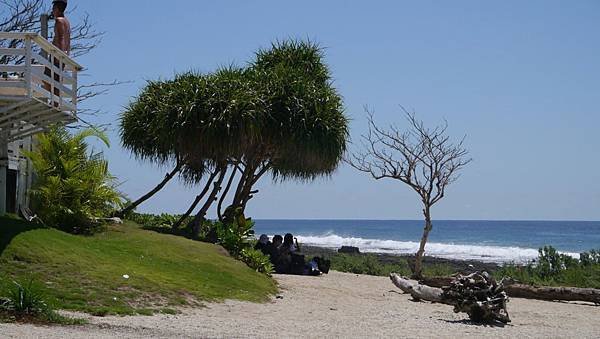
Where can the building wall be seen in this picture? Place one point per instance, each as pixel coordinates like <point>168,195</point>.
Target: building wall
<point>15,176</point>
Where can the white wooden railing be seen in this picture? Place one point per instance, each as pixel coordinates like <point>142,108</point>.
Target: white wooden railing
<point>38,84</point>
<point>33,72</point>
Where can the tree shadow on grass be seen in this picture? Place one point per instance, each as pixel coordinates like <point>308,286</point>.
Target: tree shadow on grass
<point>11,227</point>
<point>474,323</point>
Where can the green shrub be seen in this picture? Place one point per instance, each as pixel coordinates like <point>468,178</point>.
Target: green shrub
<point>590,258</point>
<point>257,260</point>
<point>142,219</point>
<point>24,299</point>
<point>235,236</point>
<point>555,269</point>
<point>163,223</point>
<point>551,263</point>
<point>367,264</point>
<point>438,270</point>
<point>73,186</point>
<point>162,220</point>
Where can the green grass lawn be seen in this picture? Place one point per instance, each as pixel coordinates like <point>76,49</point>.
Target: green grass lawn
<point>86,273</point>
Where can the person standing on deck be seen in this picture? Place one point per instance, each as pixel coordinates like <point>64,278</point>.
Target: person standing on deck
<point>62,26</point>
<point>62,40</point>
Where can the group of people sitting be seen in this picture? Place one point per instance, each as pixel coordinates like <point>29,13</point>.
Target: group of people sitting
<point>284,253</point>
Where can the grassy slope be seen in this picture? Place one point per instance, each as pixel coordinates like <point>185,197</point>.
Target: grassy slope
<point>86,273</point>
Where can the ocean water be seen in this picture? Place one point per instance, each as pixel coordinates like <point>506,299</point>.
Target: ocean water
<point>489,241</point>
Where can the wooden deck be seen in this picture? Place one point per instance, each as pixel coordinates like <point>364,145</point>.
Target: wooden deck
<point>38,86</point>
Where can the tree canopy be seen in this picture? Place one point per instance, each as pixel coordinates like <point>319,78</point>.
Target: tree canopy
<point>279,114</point>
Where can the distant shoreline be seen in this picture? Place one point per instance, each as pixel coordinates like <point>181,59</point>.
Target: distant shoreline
<point>488,241</point>
<point>421,220</point>
<point>457,265</point>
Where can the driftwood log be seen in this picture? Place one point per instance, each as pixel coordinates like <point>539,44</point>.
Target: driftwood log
<point>517,290</point>
<point>554,293</point>
<point>476,294</point>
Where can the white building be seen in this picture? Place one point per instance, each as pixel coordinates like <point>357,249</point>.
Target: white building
<point>34,94</point>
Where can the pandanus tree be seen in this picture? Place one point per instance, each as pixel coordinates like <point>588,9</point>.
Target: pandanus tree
<point>216,118</point>
<point>148,130</point>
<point>303,128</point>
<point>279,115</point>
<point>141,134</point>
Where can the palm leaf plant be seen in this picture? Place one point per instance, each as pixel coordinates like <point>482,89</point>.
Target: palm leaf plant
<point>73,185</point>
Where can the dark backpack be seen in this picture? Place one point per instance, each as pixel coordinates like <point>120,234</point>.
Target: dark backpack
<point>323,264</point>
<point>297,265</point>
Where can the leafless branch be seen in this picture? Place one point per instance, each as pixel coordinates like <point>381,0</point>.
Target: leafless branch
<point>423,158</point>
<point>88,91</point>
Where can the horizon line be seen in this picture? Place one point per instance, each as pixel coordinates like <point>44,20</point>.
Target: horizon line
<point>390,219</point>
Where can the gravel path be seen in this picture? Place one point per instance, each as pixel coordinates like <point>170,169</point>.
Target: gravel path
<point>334,305</point>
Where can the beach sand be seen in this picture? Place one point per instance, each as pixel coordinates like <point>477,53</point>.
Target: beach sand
<point>333,305</point>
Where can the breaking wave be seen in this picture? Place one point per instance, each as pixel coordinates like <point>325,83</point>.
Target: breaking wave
<point>485,253</point>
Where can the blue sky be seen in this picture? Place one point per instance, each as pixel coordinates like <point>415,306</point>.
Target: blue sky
<point>520,78</point>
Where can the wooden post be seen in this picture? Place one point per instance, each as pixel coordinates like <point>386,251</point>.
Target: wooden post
<point>3,174</point>
<point>30,173</point>
<point>60,82</point>
<point>44,18</point>
<point>28,56</point>
<point>74,87</point>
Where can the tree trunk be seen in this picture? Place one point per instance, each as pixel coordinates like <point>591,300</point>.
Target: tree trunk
<point>148,195</point>
<point>554,293</point>
<point>196,201</point>
<point>224,194</point>
<point>418,268</point>
<point>416,290</point>
<point>199,218</point>
<point>247,175</point>
<point>248,193</point>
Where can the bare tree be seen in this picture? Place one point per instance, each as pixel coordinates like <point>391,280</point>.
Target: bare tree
<point>424,159</point>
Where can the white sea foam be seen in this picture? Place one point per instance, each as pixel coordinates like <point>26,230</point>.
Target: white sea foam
<point>486,253</point>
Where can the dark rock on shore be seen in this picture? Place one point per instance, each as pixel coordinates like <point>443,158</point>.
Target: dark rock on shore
<point>463,266</point>
<point>349,250</point>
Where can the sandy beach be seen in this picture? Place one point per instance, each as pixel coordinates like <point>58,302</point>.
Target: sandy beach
<point>333,305</point>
